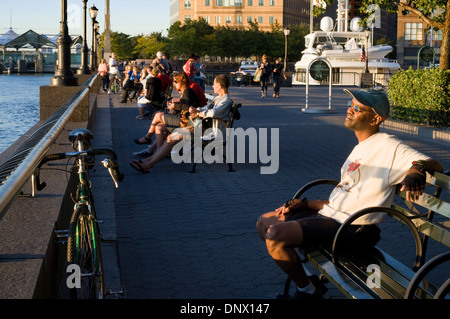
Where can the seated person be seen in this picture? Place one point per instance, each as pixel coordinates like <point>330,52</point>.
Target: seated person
<point>368,178</point>
<point>219,108</point>
<point>200,93</point>
<point>164,123</point>
<point>132,83</point>
<point>152,95</point>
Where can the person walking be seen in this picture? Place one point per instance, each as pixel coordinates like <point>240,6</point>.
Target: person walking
<point>266,68</point>
<point>277,75</point>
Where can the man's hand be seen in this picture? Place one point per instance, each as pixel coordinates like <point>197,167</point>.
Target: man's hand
<point>414,184</point>
<point>291,206</point>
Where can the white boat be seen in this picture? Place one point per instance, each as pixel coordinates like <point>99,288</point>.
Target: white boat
<point>343,50</point>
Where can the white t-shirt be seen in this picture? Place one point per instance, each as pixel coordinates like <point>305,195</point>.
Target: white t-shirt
<point>369,176</point>
<point>113,69</point>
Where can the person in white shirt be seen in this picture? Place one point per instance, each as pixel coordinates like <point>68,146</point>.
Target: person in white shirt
<point>368,178</point>
<point>114,69</point>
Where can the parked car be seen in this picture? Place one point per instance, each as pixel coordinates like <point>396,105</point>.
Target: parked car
<point>244,76</point>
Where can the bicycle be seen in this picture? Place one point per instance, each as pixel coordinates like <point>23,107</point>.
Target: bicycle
<point>115,85</point>
<point>83,241</point>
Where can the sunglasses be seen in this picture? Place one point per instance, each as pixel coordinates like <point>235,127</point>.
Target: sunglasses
<point>356,108</point>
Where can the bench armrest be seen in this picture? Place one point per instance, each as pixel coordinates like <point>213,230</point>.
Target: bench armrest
<point>391,212</point>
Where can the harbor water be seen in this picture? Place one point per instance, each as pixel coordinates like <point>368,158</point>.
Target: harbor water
<point>19,105</point>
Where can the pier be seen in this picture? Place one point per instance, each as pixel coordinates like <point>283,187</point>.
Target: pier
<point>171,234</point>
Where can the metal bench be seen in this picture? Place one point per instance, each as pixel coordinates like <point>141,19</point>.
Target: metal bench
<point>375,274</point>
<point>219,126</point>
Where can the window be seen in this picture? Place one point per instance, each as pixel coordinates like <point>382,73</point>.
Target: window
<point>238,19</point>
<point>250,3</point>
<point>271,3</point>
<point>413,31</point>
<point>249,19</point>
<point>261,3</point>
<point>229,3</point>
<point>207,3</point>
<point>228,19</point>
<point>260,20</point>
<point>187,18</point>
<point>187,4</point>
<point>217,20</point>
<point>207,19</point>
<point>437,35</point>
<point>271,20</point>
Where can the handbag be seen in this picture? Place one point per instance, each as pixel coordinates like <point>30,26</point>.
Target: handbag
<point>257,76</point>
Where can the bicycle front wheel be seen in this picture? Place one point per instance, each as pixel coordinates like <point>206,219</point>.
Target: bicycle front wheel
<point>83,250</point>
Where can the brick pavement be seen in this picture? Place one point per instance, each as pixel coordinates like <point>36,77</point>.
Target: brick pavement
<point>182,235</point>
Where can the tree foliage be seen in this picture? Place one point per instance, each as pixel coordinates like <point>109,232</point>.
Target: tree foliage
<point>197,36</point>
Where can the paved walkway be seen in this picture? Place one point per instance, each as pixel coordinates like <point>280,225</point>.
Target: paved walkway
<point>172,234</point>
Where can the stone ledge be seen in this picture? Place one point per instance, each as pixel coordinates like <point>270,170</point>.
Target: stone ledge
<point>427,132</point>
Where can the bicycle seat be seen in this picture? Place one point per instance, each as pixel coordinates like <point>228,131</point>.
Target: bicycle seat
<point>80,133</point>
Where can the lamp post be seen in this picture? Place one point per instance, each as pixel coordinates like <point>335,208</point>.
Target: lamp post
<point>84,68</point>
<point>63,73</point>
<point>286,33</point>
<point>367,34</point>
<point>93,11</point>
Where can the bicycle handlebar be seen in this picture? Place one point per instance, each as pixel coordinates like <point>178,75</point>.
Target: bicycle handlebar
<point>111,163</point>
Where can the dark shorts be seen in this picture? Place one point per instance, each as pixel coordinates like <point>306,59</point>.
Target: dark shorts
<point>171,121</point>
<point>320,230</point>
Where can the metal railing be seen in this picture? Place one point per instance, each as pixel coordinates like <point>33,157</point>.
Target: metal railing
<point>19,168</point>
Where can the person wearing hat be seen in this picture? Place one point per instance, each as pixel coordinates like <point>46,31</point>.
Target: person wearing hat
<point>369,177</point>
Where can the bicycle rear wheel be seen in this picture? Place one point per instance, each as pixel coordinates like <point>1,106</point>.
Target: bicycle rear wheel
<point>83,249</point>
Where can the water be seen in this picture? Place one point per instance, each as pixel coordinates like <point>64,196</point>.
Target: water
<point>19,105</point>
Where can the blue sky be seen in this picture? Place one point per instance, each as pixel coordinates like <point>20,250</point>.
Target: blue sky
<point>130,17</point>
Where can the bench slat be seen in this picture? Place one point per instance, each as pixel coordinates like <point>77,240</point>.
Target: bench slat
<point>438,232</point>
<point>336,276</point>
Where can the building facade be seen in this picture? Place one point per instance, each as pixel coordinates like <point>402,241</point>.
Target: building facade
<point>412,35</point>
<point>238,13</point>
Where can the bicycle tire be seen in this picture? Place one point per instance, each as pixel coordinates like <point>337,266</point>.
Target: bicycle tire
<point>83,249</point>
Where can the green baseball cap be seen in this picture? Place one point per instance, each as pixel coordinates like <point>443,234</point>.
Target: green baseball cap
<point>375,99</point>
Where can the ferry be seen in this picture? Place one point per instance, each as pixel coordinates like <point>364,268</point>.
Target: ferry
<point>345,51</point>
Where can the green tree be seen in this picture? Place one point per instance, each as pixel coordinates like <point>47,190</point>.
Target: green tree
<point>147,46</point>
<point>123,45</point>
<point>192,36</point>
<point>435,13</point>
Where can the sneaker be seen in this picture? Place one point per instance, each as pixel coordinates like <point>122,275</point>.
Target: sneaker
<point>123,101</point>
<point>318,294</point>
<point>262,95</point>
<point>143,154</point>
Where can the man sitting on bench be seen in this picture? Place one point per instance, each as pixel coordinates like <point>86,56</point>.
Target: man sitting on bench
<point>368,178</point>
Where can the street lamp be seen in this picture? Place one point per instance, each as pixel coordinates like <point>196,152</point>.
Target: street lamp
<point>84,69</point>
<point>286,33</point>
<point>93,11</point>
<point>367,34</point>
<point>63,73</point>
